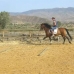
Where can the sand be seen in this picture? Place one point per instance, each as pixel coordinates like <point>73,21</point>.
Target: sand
<point>16,58</point>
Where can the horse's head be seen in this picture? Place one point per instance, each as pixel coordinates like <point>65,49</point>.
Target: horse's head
<point>42,26</point>
<point>45,25</point>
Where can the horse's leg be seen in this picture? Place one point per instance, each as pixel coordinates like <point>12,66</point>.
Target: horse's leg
<point>68,39</point>
<point>44,38</point>
<point>64,40</point>
<point>50,40</point>
<point>58,38</point>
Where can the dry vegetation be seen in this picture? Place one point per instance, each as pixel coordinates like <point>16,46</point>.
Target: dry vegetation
<point>21,58</point>
<point>20,19</point>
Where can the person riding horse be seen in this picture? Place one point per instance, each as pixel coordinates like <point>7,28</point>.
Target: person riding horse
<point>54,26</point>
<point>61,31</point>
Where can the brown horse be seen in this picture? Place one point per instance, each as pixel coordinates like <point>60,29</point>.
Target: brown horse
<point>61,31</point>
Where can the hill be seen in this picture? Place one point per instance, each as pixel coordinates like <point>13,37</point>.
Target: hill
<point>44,15</point>
<point>20,19</point>
<point>61,14</point>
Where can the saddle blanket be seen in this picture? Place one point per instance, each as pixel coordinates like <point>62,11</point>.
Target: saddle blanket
<point>55,31</point>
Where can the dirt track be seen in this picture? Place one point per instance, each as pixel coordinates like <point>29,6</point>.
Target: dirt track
<point>18,58</point>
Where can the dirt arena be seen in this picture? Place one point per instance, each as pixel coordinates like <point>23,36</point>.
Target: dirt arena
<point>21,58</point>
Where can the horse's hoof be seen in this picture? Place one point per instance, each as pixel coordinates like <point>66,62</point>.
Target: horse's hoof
<point>70,42</point>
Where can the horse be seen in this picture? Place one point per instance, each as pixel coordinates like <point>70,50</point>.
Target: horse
<point>61,31</point>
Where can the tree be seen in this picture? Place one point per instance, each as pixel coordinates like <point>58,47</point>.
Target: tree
<point>4,19</point>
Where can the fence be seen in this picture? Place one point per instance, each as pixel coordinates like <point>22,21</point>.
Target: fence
<point>23,35</point>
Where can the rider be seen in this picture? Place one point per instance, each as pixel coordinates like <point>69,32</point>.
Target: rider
<point>54,25</point>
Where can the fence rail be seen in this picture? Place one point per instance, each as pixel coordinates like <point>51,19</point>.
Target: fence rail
<point>23,35</point>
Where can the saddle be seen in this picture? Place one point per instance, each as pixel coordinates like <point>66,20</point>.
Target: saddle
<point>55,31</point>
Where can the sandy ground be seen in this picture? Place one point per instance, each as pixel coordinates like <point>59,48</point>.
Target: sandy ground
<point>23,58</point>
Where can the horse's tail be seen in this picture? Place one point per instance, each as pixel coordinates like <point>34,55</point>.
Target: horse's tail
<point>68,33</point>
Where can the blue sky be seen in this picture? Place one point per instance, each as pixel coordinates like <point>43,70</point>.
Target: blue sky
<point>25,5</point>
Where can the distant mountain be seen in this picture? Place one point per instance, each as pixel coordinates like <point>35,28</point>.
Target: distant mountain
<point>14,13</point>
<point>61,14</point>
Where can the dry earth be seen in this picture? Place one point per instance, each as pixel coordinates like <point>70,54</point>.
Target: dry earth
<point>18,58</point>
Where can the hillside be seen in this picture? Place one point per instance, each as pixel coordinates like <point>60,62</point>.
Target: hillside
<point>44,15</point>
<point>61,14</point>
<point>27,19</point>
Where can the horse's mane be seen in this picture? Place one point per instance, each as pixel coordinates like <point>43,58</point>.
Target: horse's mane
<point>47,25</point>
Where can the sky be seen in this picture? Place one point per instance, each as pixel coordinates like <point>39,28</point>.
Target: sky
<point>25,5</point>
